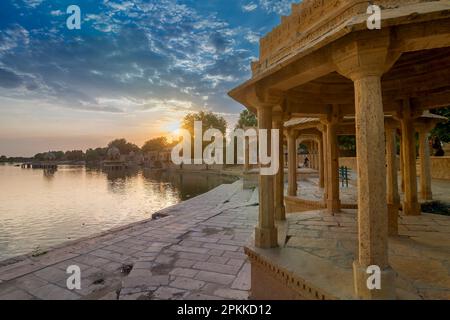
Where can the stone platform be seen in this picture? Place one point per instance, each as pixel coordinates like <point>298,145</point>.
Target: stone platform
<point>193,250</point>
<point>315,260</point>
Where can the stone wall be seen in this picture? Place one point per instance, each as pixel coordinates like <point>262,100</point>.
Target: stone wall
<point>195,167</point>
<point>440,167</point>
<point>295,204</point>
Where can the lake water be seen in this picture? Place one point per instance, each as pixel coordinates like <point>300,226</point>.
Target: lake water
<point>39,209</point>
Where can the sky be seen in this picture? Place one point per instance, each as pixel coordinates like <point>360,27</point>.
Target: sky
<point>133,70</point>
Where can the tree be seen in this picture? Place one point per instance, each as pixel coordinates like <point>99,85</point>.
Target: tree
<point>95,155</point>
<point>347,143</point>
<point>124,146</point>
<point>246,119</point>
<point>3,159</point>
<point>442,130</point>
<point>75,155</point>
<point>209,121</point>
<point>156,144</point>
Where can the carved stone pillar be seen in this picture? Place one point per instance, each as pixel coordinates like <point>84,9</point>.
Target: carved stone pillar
<point>364,64</point>
<point>247,155</point>
<point>425,166</point>
<point>280,212</point>
<point>333,202</point>
<point>266,235</point>
<point>321,164</point>
<point>411,205</point>
<point>325,160</point>
<point>292,164</point>
<point>393,198</point>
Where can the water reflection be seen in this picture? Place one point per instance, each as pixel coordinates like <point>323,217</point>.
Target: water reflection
<point>45,208</point>
<point>49,173</point>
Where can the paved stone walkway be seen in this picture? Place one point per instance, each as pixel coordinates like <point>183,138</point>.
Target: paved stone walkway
<point>193,250</point>
<point>420,255</point>
<point>308,189</point>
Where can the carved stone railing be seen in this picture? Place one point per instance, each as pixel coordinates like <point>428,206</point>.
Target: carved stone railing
<point>310,20</point>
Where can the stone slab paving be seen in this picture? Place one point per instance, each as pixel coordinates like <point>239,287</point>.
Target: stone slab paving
<point>308,189</point>
<point>420,255</point>
<point>193,251</point>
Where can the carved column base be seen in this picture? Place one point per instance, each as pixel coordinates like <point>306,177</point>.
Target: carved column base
<point>411,208</point>
<point>428,196</point>
<point>387,280</point>
<point>266,238</point>
<point>333,206</point>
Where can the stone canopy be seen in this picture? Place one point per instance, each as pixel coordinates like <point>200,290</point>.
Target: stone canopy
<point>305,63</point>
<point>324,65</point>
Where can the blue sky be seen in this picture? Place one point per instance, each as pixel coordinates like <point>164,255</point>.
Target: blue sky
<point>133,70</point>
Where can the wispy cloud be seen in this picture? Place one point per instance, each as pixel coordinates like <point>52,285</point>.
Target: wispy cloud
<point>130,57</point>
<point>249,7</point>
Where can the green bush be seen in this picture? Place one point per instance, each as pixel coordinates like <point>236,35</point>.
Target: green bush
<point>436,207</point>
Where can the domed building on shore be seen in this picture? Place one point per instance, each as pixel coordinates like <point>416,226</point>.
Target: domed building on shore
<point>114,160</point>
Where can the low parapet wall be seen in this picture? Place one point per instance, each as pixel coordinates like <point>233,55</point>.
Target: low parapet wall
<point>349,162</point>
<point>295,204</point>
<point>440,168</point>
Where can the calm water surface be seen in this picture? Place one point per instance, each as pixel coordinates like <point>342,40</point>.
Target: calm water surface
<point>39,209</point>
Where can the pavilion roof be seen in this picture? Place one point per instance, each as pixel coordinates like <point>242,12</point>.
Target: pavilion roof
<point>429,115</point>
<point>296,121</point>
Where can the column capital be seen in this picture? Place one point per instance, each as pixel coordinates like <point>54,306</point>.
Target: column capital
<point>425,125</point>
<point>291,133</point>
<point>334,116</point>
<point>321,127</point>
<point>391,123</point>
<point>360,56</point>
<point>278,117</point>
<point>407,111</point>
<point>264,98</point>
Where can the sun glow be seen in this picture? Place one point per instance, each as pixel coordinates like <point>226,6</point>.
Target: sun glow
<point>173,130</point>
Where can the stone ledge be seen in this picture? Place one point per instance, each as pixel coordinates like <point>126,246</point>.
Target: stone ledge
<point>296,204</point>
<point>298,275</point>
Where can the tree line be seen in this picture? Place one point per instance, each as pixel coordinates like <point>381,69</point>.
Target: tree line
<point>209,120</point>
<point>158,144</point>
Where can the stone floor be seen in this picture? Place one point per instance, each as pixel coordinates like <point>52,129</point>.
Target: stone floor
<point>420,255</point>
<point>193,251</point>
<point>308,189</point>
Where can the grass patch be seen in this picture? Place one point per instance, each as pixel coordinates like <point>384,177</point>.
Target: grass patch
<point>436,207</point>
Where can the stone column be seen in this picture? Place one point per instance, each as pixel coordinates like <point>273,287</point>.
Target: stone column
<point>333,202</point>
<point>425,166</point>
<point>292,164</point>
<point>317,155</point>
<point>280,212</point>
<point>321,164</point>
<point>247,154</point>
<point>411,205</point>
<point>266,235</point>
<point>325,160</point>
<point>372,207</point>
<point>314,152</point>
<point>393,198</point>
<point>365,64</point>
<point>402,166</point>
